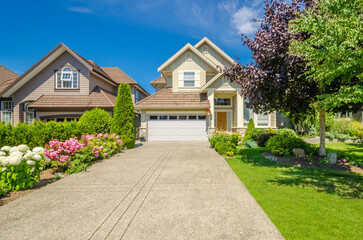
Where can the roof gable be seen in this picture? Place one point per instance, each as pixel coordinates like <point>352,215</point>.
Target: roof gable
<point>205,40</point>
<point>182,51</point>
<point>45,61</point>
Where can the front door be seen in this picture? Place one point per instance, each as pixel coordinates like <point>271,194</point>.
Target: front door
<point>222,121</point>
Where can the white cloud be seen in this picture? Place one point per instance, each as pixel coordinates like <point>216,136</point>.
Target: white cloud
<point>80,9</point>
<point>242,20</point>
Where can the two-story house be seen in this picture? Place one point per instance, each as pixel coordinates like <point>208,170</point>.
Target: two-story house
<point>194,99</point>
<point>61,86</point>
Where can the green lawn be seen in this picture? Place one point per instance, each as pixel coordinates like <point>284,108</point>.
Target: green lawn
<point>304,203</point>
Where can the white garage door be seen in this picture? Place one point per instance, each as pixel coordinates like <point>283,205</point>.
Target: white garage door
<point>177,130</point>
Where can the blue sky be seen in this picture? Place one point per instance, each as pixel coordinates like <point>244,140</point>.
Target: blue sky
<point>136,35</point>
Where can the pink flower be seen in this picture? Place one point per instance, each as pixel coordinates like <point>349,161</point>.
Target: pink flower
<point>106,135</point>
<point>344,160</point>
<point>106,154</point>
<point>96,155</point>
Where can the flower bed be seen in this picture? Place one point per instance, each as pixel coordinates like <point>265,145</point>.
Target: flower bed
<point>20,167</point>
<point>75,155</point>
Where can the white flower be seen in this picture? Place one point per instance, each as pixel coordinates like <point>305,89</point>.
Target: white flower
<point>13,149</point>
<point>32,170</point>
<point>2,153</point>
<point>16,158</point>
<point>23,148</point>
<point>5,148</point>
<point>30,162</point>
<point>37,157</point>
<point>38,150</point>
<point>3,169</point>
<point>29,155</point>
<point>4,160</point>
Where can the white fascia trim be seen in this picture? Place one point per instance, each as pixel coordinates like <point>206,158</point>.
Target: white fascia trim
<point>170,107</point>
<point>216,48</point>
<point>181,51</point>
<point>211,82</point>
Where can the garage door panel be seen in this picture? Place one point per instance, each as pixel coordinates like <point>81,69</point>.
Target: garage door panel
<point>167,130</point>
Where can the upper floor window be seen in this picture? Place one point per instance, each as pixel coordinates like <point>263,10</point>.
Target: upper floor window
<point>222,102</point>
<point>189,79</point>
<point>67,79</point>
<point>137,96</point>
<point>28,113</point>
<point>6,105</point>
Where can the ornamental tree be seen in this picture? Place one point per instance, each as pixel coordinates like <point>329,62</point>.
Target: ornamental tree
<point>333,52</point>
<point>123,116</point>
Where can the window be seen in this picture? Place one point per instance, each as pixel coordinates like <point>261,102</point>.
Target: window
<point>6,117</point>
<point>173,117</point>
<point>163,117</point>
<point>189,79</point>
<point>182,117</point>
<point>153,117</point>
<point>67,78</point>
<point>6,105</point>
<point>28,113</point>
<point>222,102</point>
<point>136,96</point>
<point>262,120</point>
<point>201,117</point>
<point>60,119</point>
<point>192,117</point>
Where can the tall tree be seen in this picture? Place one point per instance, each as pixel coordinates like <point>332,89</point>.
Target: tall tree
<point>333,51</point>
<point>123,116</point>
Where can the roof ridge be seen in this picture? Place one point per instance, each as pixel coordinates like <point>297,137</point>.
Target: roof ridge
<point>103,94</point>
<point>152,95</point>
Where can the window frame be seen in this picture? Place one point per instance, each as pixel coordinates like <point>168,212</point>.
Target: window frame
<point>73,80</point>
<point>222,105</point>
<point>189,80</point>
<point>11,117</point>
<point>3,104</point>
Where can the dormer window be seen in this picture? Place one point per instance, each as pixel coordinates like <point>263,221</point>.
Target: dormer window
<point>67,79</point>
<point>189,79</point>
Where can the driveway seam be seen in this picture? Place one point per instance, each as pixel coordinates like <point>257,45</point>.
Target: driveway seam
<point>118,205</point>
<point>132,219</point>
<point>147,181</point>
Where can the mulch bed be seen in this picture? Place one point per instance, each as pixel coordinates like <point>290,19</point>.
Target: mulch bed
<point>46,177</point>
<point>303,162</point>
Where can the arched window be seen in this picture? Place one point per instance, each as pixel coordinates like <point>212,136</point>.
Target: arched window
<point>28,113</point>
<point>67,78</point>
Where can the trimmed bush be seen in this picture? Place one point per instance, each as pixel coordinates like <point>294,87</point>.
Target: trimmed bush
<point>218,137</point>
<point>313,132</point>
<point>251,125</point>
<point>123,116</point>
<point>251,143</point>
<point>256,132</point>
<point>286,132</point>
<point>263,138</point>
<point>225,147</point>
<point>235,138</point>
<point>283,146</point>
<point>95,121</point>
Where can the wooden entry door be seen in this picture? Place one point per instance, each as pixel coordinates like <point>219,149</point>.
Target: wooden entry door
<point>222,121</point>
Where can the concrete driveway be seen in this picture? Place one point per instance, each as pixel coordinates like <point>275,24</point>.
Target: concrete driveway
<point>161,190</point>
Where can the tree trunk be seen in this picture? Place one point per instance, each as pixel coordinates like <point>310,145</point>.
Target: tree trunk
<point>322,132</point>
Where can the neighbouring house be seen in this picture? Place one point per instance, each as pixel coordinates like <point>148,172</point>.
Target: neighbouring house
<point>194,99</point>
<point>61,86</point>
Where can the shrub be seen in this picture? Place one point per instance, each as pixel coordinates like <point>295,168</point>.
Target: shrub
<point>95,121</point>
<point>3,189</point>
<point>251,143</point>
<point>123,116</point>
<point>286,132</point>
<point>256,132</point>
<point>357,129</point>
<point>313,132</point>
<point>342,126</point>
<point>20,167</point>
<point>73,156</point>
<point>283,146</point>
<point>218,137</point>
<point>342,137</point>
<point>263,138</point>
<point>330,135</point>
<point>251,125</point>
<point>225,147</point>
<point>235,138</point>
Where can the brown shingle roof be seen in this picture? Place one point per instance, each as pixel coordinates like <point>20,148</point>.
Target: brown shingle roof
<point>165,98</point>
<point>118,75</point>
<point>7,83</point>
<point>97,98</point>
<point>159,80</point>
<point>6,74</point>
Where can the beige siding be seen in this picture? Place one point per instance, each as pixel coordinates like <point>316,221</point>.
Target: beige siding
<point>44,83</point>
<point>214,56</point>
<point>183,64</point>
<point>97,81</point>
<point>234,113</point>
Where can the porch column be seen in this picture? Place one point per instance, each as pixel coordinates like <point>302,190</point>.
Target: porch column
<point>239,110</point>
<point>211,103</point>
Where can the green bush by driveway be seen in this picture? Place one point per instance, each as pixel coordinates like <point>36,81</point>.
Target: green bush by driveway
<point>304,203</point>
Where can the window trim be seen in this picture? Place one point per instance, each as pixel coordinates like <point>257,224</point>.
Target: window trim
<point>7,112</point>
<point>189,80</point>
<point>222,105</point>
<point>59,77</point>
<point>2,106</point>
